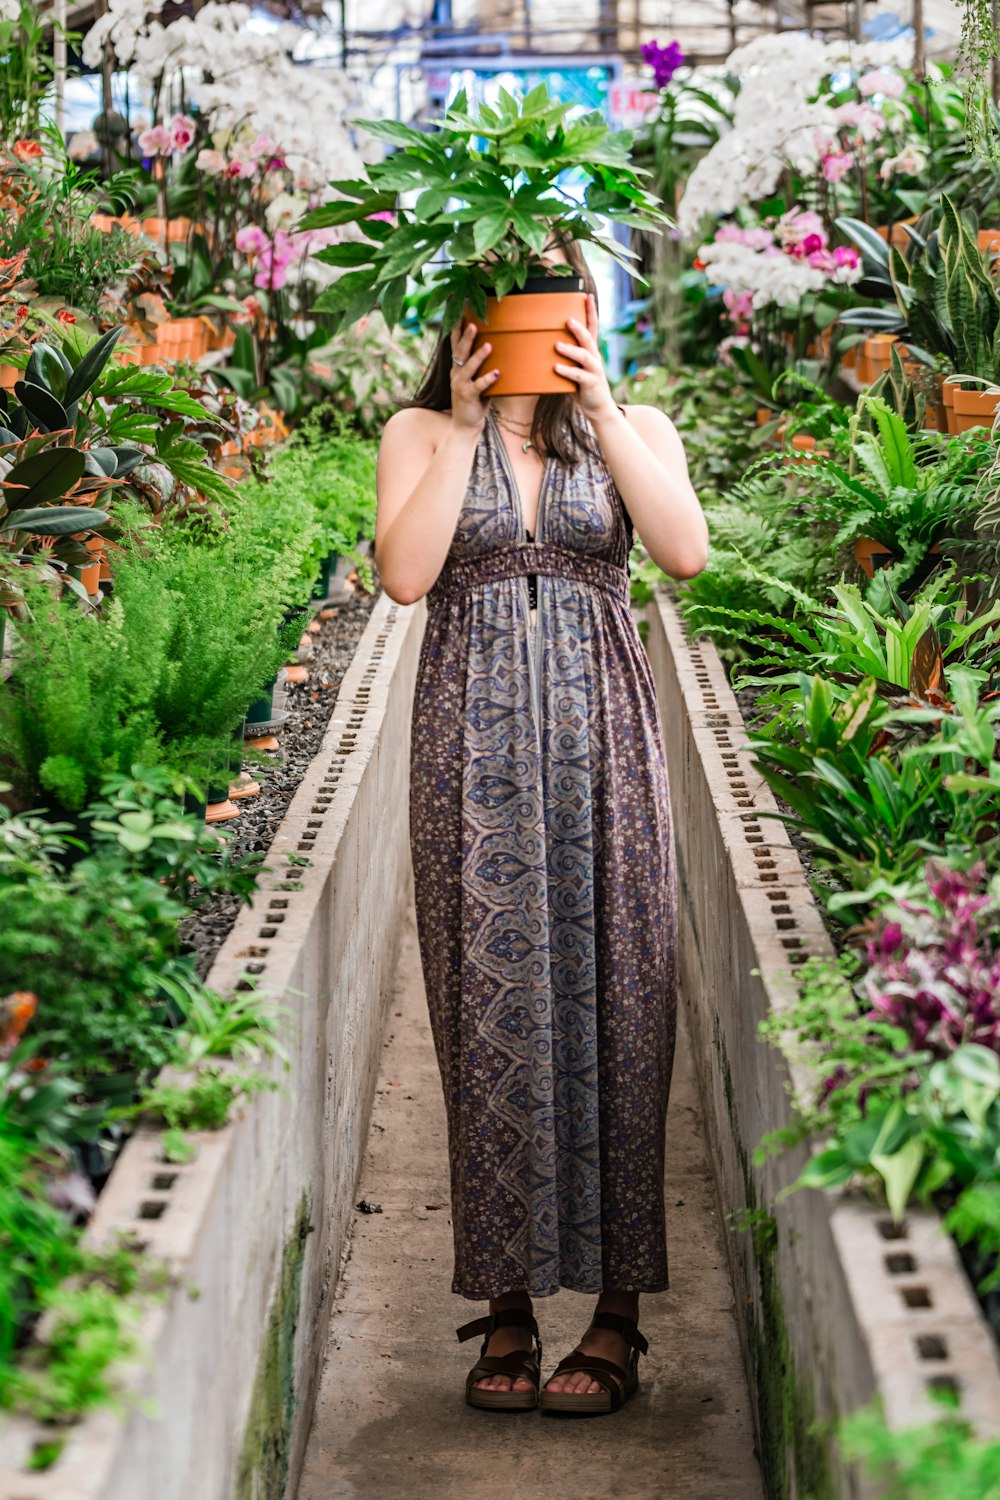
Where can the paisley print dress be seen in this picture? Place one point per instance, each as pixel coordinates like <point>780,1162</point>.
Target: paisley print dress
<point>545,889</point>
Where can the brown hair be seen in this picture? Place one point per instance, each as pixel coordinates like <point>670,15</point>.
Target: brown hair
<point>557,428</point>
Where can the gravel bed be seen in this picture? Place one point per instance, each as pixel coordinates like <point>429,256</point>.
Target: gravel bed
<point>309,706</point>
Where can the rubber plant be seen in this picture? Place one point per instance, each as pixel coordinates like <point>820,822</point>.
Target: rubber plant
<point>470,208</point>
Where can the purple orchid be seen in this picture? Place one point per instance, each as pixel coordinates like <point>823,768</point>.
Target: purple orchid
<point>664,61</point>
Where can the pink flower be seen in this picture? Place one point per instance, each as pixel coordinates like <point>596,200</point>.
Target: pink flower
<point>846,255</point>
<point>251,240</point>
<point>891,85</point>
<point>264,145</point>
<point>836,164</point>
<point>385,214</point>
<point>182,132</point>
<point>156,141</point>
<point>822,260</point>
<point>212,163</point>
<point>739,305</point>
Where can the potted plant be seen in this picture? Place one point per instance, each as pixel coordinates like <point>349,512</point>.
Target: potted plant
<point>490,202</point>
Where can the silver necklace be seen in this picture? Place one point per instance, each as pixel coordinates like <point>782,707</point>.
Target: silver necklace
<point>526,442</point>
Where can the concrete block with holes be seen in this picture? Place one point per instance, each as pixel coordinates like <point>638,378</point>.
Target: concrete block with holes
<point>835,1304</point>
<point>320,937</point>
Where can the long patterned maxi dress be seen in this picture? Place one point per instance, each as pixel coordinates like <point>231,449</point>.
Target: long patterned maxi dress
<point>545,889</point>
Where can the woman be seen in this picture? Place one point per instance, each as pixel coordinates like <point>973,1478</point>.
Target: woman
<point>541,840</point>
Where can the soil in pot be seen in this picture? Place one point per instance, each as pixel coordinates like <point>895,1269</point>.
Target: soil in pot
<point>523,329</point>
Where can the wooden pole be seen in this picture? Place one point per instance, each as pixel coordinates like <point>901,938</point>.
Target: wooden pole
<point>919,40</point>
<point>59,62</point>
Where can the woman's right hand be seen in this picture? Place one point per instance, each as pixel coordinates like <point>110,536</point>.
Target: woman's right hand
<point>468,388</point>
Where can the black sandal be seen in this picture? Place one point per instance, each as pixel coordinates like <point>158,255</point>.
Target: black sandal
<point>519,1364</point>
<point>619,1383</point>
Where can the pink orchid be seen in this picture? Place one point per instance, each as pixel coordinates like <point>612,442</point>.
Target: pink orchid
<point>251,240</point>
<point>846,255</point>
<point>822,260</point>
<point>156,141</point>
<point>182,132</point>
<point>739,305</point>
<point>836,164</point>
<point>212,163</point>
<point>890,85</point>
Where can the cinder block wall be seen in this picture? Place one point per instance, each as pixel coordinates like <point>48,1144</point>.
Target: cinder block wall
<point>820,1291</point>
<point>254,1228</point>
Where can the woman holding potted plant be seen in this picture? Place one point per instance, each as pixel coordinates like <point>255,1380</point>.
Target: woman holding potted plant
<point>542,842</point>
<point>540,820</point>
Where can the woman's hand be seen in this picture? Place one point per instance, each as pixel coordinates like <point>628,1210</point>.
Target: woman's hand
<point>592,394</point>
<point>468,404</point>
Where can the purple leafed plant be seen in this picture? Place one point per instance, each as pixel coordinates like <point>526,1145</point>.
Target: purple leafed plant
<point>935,972</point>
<point>664,61</point>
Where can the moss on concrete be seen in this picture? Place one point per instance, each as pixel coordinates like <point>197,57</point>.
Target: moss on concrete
<point>793,1447</point>
<point>263,1466</point>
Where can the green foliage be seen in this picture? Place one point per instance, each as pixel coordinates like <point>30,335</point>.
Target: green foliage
<point>488,204</point>
<point>941,1460</point>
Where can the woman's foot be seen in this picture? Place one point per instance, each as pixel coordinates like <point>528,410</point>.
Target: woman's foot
<point>601,1342</point>
<point>505,1341</point>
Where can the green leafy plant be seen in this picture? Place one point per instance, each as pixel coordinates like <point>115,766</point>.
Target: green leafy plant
<point>489,203</point>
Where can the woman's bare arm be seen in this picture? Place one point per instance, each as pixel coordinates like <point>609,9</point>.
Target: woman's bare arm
<point>424,462</point>
<point>645,456</point>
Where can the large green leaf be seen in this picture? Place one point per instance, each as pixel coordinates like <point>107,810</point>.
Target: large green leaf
<point>43,477</point>
<point>57,520</point>
<point>92,363</point>
<point>43,409</point>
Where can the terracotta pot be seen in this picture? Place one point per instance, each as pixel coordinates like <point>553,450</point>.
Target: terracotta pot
<point>182,338</point>
<point>523,328</point>
<point>219,338</point>
<point>804,449</point>
<point>9,374</point>
<point>875,357</point>
<point>974,408</point>
<point>764,415</point>
<point>896,233</point>
<point>989,239</point>
<point>948,402</point>
<point>168,231</point>
<point>869,555</point>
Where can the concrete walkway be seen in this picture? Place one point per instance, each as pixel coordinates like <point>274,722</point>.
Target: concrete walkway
<point>391,1418</point>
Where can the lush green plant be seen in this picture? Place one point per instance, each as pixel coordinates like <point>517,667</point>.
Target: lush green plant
<point>489,204</point>
<point>49,201</point>
<point>365,372</point>
<point>941,1460</point>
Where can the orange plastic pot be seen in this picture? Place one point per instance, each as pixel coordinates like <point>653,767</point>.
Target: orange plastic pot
<point>948,402</point>
<point>523,329</point>
<point>989,240</point>
<point>974,408</point>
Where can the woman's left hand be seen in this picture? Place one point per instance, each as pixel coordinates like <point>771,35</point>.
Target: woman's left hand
<point>593,393</point>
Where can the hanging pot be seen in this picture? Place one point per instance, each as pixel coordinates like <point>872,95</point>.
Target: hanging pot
<point>973,408</point>
<point>523,328</point>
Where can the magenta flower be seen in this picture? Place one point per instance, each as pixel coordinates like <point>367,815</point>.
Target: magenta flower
<point>664,61</point>
<point>182,132</point>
